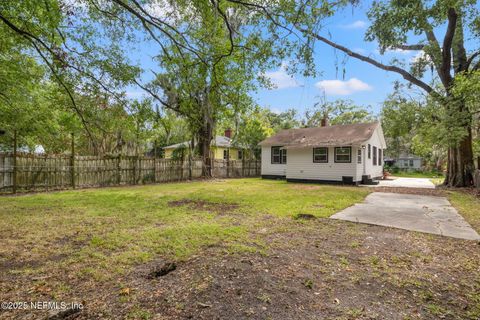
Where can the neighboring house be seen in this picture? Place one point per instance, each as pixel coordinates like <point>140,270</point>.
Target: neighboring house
<point>405,162</point>
<point>221,148</point>
<point>341,153</point>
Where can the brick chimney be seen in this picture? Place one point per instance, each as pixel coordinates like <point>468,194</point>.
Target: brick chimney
<point>228,133</point>
<point>324,121</point>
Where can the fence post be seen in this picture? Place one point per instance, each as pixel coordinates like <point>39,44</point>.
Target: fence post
<point>190,167</point>
<point>243,165</point>
<point>140,175</point>
<point>72,162</point>
<point>119,173</point>
<point>228,166</point>
<point>14,173</point>
<point>134,168</point>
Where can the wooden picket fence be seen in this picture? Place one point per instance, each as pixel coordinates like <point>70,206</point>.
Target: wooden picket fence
<point>32,172</point>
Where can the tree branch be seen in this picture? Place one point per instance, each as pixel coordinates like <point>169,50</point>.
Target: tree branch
<point>33,40</point>
<point>405,74</point>
<point>414,47</point>
<point>472,57</point>
<point>447,46</point>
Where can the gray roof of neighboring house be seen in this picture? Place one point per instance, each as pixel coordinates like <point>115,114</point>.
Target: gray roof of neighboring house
<point>219,141</point>
<point>349,134</point>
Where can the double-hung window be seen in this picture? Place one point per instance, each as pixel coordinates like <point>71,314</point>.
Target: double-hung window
<point>369,151</point>
<point>379,156</point>
<point>343,154</point>
<point>320,155</point>
<point>374,156</point>
<point>279,156</point>
<point>359,156</point>
<point>226,154</point>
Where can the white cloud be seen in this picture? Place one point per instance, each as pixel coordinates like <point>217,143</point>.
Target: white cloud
<point>281,79</point>
<point>343,88</point>
<point>276,110</point>
<point>421,56</point>
<point>359,24</point>
<point>398,50</point>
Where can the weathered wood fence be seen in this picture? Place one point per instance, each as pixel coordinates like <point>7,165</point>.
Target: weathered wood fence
<point>30,172</point>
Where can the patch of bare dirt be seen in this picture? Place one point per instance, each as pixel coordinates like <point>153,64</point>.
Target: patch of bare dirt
<point>418,191</point>
<point>315,269</point>
<point>203,205</point>
<point>323,270</point>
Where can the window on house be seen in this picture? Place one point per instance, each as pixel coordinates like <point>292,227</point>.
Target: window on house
<point>379,156</point>
<point>240,154</point>
<point>359,156</point>
<point>226,154</point>
<point>374,156</point>
<point>411,163</point>
<point>279,156</point>
<point>343,154</point>
<point>369,151</point>
<point>320,155</point>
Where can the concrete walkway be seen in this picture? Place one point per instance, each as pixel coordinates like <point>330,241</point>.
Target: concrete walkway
<point>406,183</point>
<point>411,212</point>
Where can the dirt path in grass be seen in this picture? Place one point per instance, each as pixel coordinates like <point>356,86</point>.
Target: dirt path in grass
<point>314,269</point>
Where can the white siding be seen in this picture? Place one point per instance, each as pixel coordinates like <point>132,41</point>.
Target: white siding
<point>300,165</point>
<point>368,168</point>
<point>359,171</point>
<point>405,163</point>
<point>272,169</point>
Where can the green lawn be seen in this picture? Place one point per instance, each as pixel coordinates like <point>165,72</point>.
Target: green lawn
<point>108,230</point>
<point>241,249</point>
<point>468,206</point>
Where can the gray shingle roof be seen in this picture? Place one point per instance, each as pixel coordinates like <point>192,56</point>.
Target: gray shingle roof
<point>336,135</point>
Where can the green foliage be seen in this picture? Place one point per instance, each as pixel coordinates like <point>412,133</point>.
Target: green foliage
<point>254,126</point>
<point>283,120</point>
<point>179,153</point>
<point>467,86</point>
<point>338,112</point>
<point>414,127</point>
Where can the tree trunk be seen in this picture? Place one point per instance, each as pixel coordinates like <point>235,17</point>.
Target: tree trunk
<point>460,163</point>
<point>205,136</point>
<point>460,158</point>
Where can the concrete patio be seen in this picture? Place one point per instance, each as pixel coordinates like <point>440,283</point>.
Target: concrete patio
<point>405,183</point>
<point>411,212</point>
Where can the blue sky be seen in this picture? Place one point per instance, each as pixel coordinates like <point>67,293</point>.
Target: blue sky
<point>364,84</point>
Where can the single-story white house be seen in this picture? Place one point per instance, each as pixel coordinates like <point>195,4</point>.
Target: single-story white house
<point>348,154</point>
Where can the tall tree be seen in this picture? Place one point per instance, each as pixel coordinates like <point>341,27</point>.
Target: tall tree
<point>394,25</point>
<point>212,81</point>
<point>337,112</point>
